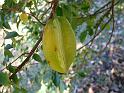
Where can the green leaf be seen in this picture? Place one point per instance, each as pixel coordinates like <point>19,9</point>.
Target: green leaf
<point>85,5</point>
<point>11,34</point>
<point>15,79</point>
<point>59,11</point>
<point>8,53</point>
<point>82,74</point>
<point>23,90</point>
<point>35,4</point>
<point>4,79</point>
<point>83,36</point>
<point>37,57</point>
<point>56,79</point>
<point>62,86</point>
<point>4,20</point>
<point>19,90</point>
<point>66,10</point>
<point>90,31</point>
<point>9,3</point>
<point>108,27</point>
<point>76,22</point>
<point>90,21</point>
<point>8,46</point>
<point>29,3</point>
<point>6,25</point>
<point>74,9</point>
<point>11,68</point>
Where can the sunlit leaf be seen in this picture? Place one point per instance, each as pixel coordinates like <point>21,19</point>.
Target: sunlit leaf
<point>8,53</point>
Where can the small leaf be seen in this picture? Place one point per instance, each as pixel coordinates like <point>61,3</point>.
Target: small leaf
<point>62,86</point>
<point>29,3</point>
<point>76,22</point>
<point>66,10</point>
<point>4,79</point>
<point>8,53</point>
<point>37,57</point>
<point>108,27</point>
<point>8,46</point>
<point>83,36</point>
<point>59,11</point>
<point>6,25</point>
<point>15,79</point>
<point>19,90</point>
<point>82,74</point>
<point>24,17</point>
<point>85,5</point>
<point>11,35</point>
<point>56,79</point>
<point>90,21</point>
<point>90,31</point>
<point>11,68</point>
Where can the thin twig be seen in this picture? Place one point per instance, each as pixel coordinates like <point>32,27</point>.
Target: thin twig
<point>102,7</point>
<point>95,35</point>
<point>99,11</point>
<point>98,32</point>
<point>27,59</point>
<point>35,18</point>
<point>113,28</point>
<point>14,60</point>
<point>46,11</point>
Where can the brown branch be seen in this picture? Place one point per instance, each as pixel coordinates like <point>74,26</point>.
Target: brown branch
<point>54,6</point>
<point>31,14</point>
<point>101,10</point>
<point>35,18</point>
<point>27,59</point>
<point>55,2</point>
<point>110,8</point>
<point>15,60</point>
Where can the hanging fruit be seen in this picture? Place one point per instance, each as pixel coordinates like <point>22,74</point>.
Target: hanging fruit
<point>59,44</point>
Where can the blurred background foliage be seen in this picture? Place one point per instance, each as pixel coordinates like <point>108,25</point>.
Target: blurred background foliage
<point>98,66</point>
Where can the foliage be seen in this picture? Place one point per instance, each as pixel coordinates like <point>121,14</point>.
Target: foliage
<point>24,68</point>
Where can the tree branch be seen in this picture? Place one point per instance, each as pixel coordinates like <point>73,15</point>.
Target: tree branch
<point>95,35</point>
<point>54,5</point>
<point>113,28</point>
<point>15,60</point>
<point>27,59</point>
<point>112,18</point>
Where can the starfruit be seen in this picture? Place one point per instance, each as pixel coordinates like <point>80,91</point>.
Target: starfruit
<point>59,44</point>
